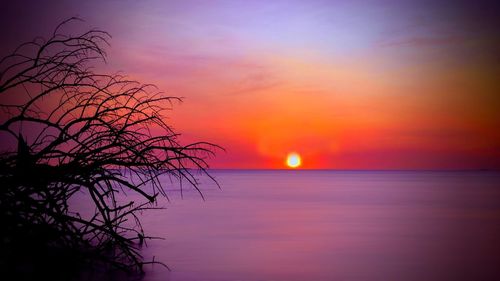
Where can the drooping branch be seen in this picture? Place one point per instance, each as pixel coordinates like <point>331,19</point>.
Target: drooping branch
<point>78,130</point>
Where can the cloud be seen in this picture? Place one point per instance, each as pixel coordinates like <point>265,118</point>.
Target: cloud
<point>438,41</point>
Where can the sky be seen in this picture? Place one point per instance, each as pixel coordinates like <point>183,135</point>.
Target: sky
<point>346,84</point>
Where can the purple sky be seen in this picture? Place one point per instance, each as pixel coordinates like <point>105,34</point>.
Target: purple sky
<point>347,84</point>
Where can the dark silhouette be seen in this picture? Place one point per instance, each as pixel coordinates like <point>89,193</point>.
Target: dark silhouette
<point>64,129</point>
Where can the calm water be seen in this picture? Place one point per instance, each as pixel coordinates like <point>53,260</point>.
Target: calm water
<point>330,225</point>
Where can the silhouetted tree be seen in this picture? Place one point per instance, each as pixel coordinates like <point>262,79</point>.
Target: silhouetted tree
<point>65,128</point>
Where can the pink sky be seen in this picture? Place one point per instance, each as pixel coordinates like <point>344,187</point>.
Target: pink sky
<point>358,85</point>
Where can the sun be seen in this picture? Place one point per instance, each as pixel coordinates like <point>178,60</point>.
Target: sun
<point>293,160</point>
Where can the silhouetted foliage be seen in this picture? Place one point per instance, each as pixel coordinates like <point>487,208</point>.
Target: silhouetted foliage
<point>64,129</point>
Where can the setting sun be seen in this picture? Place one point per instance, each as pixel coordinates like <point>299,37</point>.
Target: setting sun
<point>293,160</point>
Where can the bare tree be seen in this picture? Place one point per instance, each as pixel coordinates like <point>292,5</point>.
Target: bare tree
<point>65,128</point>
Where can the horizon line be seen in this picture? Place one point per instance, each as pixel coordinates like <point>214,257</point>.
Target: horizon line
<point>367,170</point>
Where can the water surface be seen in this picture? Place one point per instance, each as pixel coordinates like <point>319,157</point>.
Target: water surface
<point>331,225</point>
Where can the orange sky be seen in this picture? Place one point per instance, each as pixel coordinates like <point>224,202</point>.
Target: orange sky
<point>359,85</point>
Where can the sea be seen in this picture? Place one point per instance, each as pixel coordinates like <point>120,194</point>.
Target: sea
<point>291,225</point>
